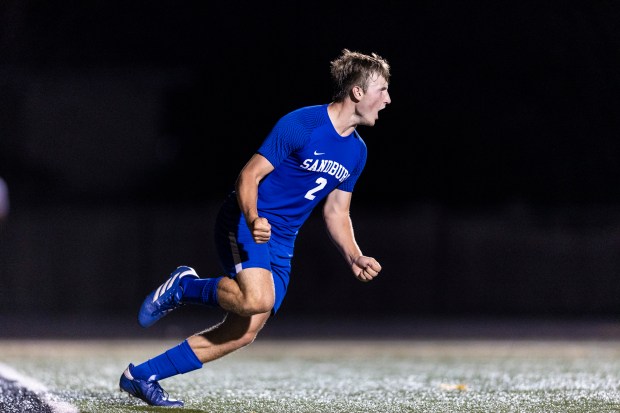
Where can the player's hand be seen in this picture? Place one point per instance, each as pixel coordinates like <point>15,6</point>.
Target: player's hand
<point>261,230</point>
<point>365,268</point>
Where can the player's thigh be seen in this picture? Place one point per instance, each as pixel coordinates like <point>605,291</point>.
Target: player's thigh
<point>256,282</point>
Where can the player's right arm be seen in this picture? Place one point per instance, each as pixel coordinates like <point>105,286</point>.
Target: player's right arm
<point>254,171</point>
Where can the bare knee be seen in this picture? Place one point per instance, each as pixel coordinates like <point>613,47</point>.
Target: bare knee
<point>256,323</point>
<point>250,293</point>
<point>247,339</point>
<point>256,303</point>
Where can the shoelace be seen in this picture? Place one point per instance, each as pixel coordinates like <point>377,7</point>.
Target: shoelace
<point>157,389</point>
<point>168,304</point>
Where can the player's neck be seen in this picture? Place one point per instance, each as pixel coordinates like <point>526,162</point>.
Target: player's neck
<point>343,117</point>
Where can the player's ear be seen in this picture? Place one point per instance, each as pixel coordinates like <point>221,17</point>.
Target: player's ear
<point>357,93</point>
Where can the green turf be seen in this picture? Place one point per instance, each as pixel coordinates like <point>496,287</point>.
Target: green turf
<point>341,376</point>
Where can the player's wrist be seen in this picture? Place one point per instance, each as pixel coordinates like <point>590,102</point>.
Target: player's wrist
<point>354,258</point>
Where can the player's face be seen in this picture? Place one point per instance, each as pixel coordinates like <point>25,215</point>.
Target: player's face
<point>373,100</point>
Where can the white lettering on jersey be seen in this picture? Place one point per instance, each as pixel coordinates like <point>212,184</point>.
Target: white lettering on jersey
<point>329,167</point>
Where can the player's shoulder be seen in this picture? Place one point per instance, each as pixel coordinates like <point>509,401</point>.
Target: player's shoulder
<point>358,138</point>
<point>307,116</point>
<point>305,110</point>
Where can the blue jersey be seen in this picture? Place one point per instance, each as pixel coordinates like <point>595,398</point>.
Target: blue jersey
<point>310,160</point>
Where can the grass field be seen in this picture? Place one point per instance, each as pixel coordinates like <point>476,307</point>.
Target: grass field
<point>319,376</point>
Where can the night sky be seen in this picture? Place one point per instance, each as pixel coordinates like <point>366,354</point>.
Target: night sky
<point>493,102</point>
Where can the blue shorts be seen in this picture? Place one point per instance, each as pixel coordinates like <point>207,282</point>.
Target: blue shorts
<point>237,250</point>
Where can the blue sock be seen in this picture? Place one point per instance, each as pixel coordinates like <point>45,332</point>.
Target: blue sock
<point>200,291</point>
<point>178,360</point>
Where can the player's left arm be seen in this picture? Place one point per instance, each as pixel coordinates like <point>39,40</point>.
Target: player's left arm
<point>340,230</point>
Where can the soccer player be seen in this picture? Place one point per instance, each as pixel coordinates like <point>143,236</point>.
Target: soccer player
<point>312,154</point>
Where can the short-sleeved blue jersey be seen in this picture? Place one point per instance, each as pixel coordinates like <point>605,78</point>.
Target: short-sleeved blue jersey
<point>310,160</point>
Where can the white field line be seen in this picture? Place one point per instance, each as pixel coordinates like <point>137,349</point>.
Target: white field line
<point>52,401</point>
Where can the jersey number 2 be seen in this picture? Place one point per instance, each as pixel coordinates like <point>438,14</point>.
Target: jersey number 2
<point>321,184</point>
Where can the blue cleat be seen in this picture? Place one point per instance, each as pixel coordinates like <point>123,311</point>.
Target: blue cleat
<point>165,298</point>
<point>148,391</point>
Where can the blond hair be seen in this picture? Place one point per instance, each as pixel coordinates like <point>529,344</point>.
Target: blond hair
<point>355,69</point>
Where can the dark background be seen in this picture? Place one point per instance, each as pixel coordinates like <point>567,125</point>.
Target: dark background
<point>491,186</point>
